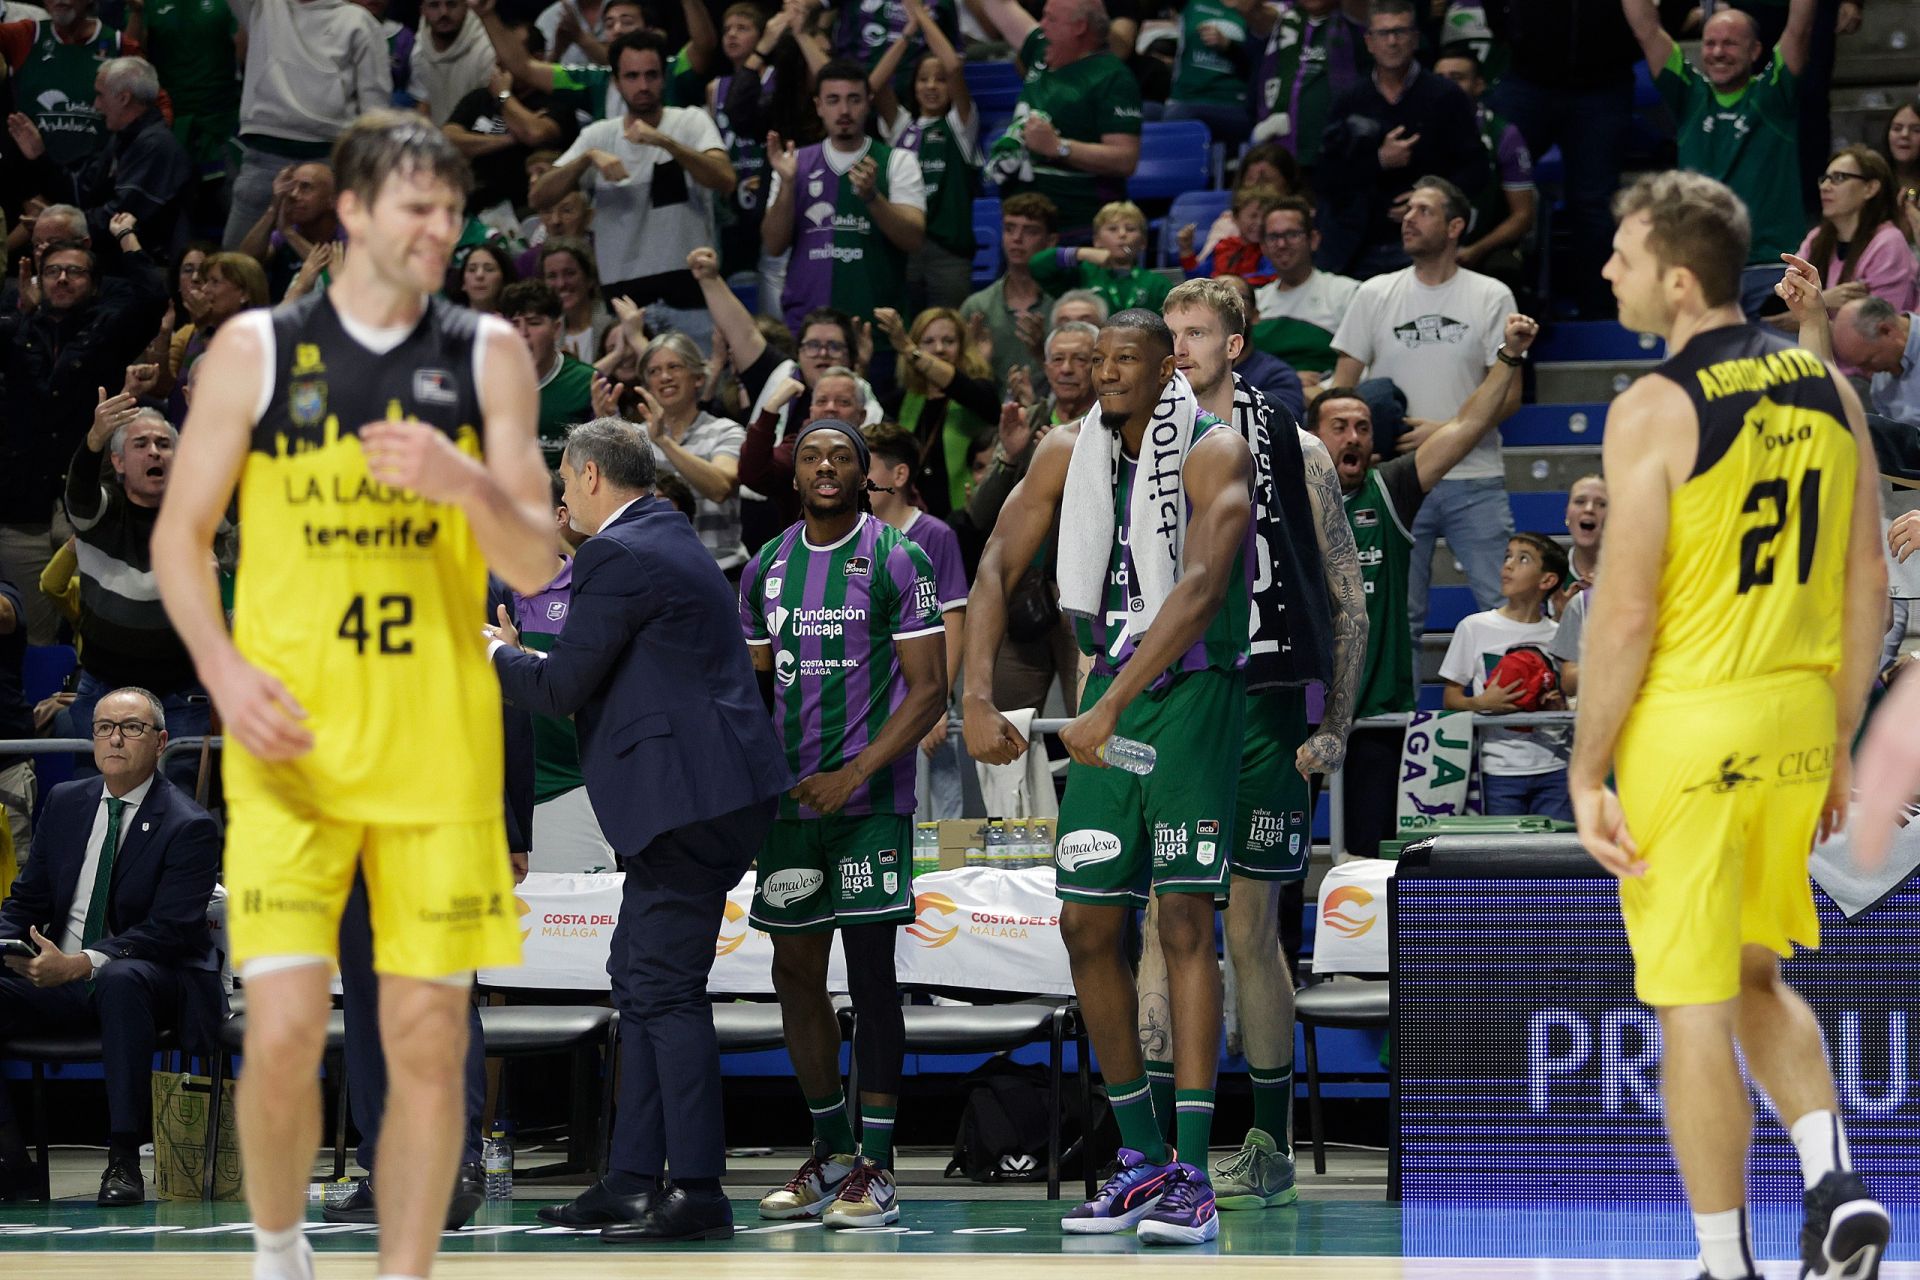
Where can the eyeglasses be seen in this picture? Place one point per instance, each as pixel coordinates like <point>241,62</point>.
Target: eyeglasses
<point>1835,177</point>
<point>1286,237</point>
<point>1394,33</point>
<point>65,273</point>
<point>817,347</point>
<point>133,730</point>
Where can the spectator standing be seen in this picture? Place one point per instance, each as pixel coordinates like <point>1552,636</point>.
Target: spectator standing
<point>566,384</point>
<point>1013,309</point>
<point>687,440</point>
<point>399,38</point>
<point>67,340</point>
<point>1861,235</point>
<point>1383,504</point>
<point>1110,267</point>
<point>298,217</point>
<point>1902,150</point>
<point>1301,308</point>
<point>946,404</point>
<point>943,133</point>
<point>741,102</point>
<point>862,211</point>
<point>652,177</point>
<point>142,169</point>
<point>562,26</point>
<point>1738,125</point>
<point>1381,134</point>
<point>1316,50</point>
<point>122,871</point>
<point>1435,329</point>
<point>497,128</point>
<point>194,52</point>
<point>313,67</point>
<point>1078,116</point>
<point>1522,771</point>
<point>1587,522</point>
<point>1271,376</point>
<point>451,58</point>
<point>52,65</point>
<point>1210,68</point>
<point>229,284</point>
<point>1504,207</point>
<point>1570,86</point>
<point>566,266</point>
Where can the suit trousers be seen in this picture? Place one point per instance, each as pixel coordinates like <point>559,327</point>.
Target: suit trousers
<point>126,1005</point>
<point>366,1061</point>
<point>670,1116</point>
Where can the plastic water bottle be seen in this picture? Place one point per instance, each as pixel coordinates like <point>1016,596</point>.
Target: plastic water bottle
<point>1125,753</point>
<point>1019,846</point>
<point>996,845</point>
<point>496,1157</point>
<point>926,848</point>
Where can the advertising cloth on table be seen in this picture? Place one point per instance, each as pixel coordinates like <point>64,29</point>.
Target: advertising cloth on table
<point>1351,925</point>
<point>990,930</point>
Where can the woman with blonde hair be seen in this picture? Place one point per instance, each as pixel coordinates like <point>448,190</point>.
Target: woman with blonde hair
<point>948,400</point>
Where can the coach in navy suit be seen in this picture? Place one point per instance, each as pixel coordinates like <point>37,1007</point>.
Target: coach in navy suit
<point>682,770</point>
<point>115,899</point>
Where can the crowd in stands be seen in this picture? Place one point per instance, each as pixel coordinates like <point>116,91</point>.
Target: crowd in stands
<point>725,221</point>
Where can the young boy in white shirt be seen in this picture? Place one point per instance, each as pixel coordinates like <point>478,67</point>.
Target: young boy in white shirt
<point>1522,771</point>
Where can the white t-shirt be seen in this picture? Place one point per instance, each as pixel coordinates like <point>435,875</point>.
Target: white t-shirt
<point>636,231</point>
<point>1435,343</point>
<point>548,24</point>
<point>1479,643</point>
<point>904,184</point>
<point>1321,300</point>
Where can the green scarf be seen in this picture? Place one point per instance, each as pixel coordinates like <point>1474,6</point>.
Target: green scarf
<point>955,439</point>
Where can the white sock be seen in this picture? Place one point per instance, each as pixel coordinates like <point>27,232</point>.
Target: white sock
<point>282,1255</point>
<point>1822,1143</point>
<point>1724,1248</point>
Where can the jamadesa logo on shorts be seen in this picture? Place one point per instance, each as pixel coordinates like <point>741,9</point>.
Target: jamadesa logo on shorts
<point>730,940</point>
<point>1348,911</point>
<point>930,927</point>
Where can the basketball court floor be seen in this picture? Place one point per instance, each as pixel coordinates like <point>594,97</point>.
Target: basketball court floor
<point>1343,1228</point>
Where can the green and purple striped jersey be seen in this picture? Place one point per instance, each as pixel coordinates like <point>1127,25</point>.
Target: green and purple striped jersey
<point>1106,639</point>
<point>831,615</point>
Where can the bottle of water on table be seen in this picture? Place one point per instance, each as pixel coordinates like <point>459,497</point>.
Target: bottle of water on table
<point>496,1158</point>
<point>1125,753</point>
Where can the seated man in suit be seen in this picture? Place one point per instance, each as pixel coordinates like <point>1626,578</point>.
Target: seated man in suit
<point>114,903</point>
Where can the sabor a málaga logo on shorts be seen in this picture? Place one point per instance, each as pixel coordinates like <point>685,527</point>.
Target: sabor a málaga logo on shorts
<point>784,888</point>
<point>856,875</point>
<point>1086,848</point>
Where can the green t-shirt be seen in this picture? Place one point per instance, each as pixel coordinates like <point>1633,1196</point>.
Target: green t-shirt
<point>1135,287</point>
<point>1086,100</point>
<point>1381,514</point>
<point>566,400</point>
<point>1749,140</point>
<point>190,43</point>
<point>1201,74</point>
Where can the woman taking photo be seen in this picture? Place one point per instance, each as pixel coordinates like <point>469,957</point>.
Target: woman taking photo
<point>948,401</point>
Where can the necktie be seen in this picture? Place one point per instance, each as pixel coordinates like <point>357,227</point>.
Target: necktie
<point>103,877</point>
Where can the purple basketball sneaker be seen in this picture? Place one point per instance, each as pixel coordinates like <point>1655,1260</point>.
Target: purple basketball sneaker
<point>1127,1196</point>
<point>1185,1214</point>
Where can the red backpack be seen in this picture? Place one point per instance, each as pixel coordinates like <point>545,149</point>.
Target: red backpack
<point>1532,668</point>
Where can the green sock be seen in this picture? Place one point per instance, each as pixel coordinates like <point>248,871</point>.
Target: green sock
<point>1132,1103</point>
<point>830,1123</point>
<point>1160,1080</point>
<point>876,1133</point>
<point>1273,1102</point>
<point>1193,1125</point>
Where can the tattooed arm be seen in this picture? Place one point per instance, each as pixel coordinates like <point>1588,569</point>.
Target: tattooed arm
<point>1324,751</point>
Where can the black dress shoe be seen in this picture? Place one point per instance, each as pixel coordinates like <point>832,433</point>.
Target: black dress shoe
<point>121,1184</point>
<point>357,1207</point>
<point>677,1215</point>
<point>469,1193</point>
<point>598,1207</point>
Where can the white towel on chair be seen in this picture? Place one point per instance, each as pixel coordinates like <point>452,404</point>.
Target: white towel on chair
<point>1157,510</point>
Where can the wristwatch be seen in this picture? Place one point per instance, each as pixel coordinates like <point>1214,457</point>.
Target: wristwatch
<point>1500,354</point>
<point>505,96</point>
<point>1066,148</point>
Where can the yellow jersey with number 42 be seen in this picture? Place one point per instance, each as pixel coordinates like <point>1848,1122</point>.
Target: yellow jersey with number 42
<point>366,601</point>
<point>1755,573</point>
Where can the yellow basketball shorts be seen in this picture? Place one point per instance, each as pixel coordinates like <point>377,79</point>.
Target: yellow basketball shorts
<point>441,896</point>
<point>1722,789</point>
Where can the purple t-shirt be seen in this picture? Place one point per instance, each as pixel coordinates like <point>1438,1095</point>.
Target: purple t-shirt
<point>937,538</point>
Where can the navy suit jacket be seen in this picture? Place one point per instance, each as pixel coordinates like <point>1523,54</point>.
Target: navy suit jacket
<point>652,667</point>
<point>163,876</point>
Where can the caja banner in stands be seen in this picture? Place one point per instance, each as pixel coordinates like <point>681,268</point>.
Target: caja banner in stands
<point>973,927</point>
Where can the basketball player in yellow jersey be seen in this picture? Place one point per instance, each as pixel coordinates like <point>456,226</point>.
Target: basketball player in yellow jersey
<point>383,445</point>
<point>1730,646</point>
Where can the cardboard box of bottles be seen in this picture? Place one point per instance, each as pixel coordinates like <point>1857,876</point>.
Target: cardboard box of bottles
<point>960,837</point>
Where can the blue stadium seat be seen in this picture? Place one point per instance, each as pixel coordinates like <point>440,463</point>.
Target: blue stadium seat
<point>1431,697</point>
<point>1539,512</point>
<point>1550,170</point>
<point>42,671</point>
<point>1542,425</point>
<point>747,289</point>
<point>986,238</point>
<point>1175,158</point>
<point>1198,207</point>
<point>995,86</point>
<point>1446,606</point>
<point>1568,340</point>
